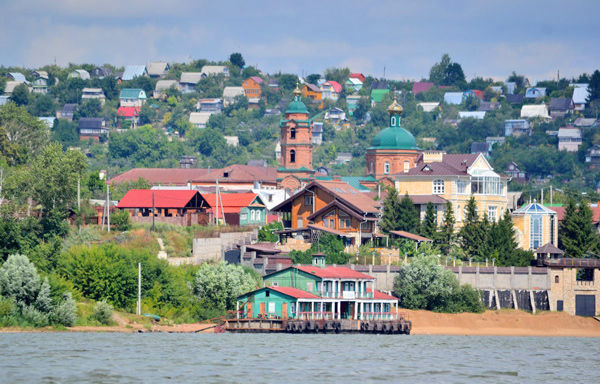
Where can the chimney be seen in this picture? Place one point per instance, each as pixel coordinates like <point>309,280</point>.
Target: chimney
<point>433,156</point>
<point>318,260</point>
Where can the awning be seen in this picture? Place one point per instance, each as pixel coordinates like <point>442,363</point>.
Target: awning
<point>411,236</point>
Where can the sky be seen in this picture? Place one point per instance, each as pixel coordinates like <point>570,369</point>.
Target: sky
<point>488,38</point>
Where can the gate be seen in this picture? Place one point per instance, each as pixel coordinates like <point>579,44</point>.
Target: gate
<point>585,305</point>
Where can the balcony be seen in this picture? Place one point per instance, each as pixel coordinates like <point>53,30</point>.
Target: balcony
<point>347,295</point>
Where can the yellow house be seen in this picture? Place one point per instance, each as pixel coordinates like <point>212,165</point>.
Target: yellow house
<point>438,177</point>
<point>535,225</point>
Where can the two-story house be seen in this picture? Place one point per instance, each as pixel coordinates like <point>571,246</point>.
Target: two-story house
<point>331,90</point>
<point>517,127</point>
<point>93,93</point>
<point>569,139</point>
<point>318,291</point>
<point>439,178</point>
<point>252,88</point>
<point>331,206</point>
<point>40,83</point>
<point>132,97</point>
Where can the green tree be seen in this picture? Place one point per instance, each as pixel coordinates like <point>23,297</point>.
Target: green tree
<point>53,177</point>
<point>337,74</point>
<point>21,135</point>
<point>424,284</point>
<point>266,232</point>
<point>218,285</point>
<point>43,105</point>
<point>237,60</point>
<point>121,221</point>
<point>19,280</point>
<point>576,232</point>
<point>446,234</point>
<point>88,108</point>
<point>313,78</point>
<point>503,245</point>
<point>65,132</point>
<point>390,220</point>
<point>438,70</point>
<point>20,95</point>
<point>287,81</point>
<point>594,86</point>
<point>429,225</point>
<point>409,215</point>
<point>473,233</point>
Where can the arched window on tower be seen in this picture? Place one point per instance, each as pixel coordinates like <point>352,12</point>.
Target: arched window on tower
<point>293,133</point>
<point>292,156</point>
<point>386,168</point>
<point>406,166</point>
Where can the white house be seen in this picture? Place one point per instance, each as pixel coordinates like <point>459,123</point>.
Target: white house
<point>532,111</point>
<point>93,93</point>
<point>188,81</point>
<point>213,70</point>
<point>479,115</point>
<point>569,139</point>
<point>230,93</point>
<point>429,106</point>
<point>199,119</point>
<point>580,95</point>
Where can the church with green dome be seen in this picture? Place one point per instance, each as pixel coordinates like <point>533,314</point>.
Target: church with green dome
<point>393,150</point>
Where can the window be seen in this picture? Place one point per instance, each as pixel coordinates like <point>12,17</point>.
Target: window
<point>345,221</point>
<point>275,284</point>
<point>293,133</point>
<point>386,168</point>
<point>535,225</point>
<point>552,224</point>
<point>271,307</point>
<point>371,168</point>
<point>267,293</point>
<point>486,185</point>
<point>252,215</point>
<point>438,187</point>
<point>493,213</point>
<point>556,279</point>
<point>308,199</point>
<point>292,156</point>
<point>406,165</point>
<point>257,215</point>
<point>329,220</point>
<point>458,213</point>
<point>461,187</point>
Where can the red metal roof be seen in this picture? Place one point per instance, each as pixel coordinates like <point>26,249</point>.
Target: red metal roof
<point>561,213</point>
<point>378,295</point>
<point>257,79</point>
<point>294,292</point>
<point>421,86</point>
<point>358,76</point>
<point>128,111</point>
<point>230,202</point>
<point>336,86</point>
<point>142,198</point>
<point>329,272</point>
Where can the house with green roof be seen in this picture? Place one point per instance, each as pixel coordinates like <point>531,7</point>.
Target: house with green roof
<point>377,95</point>
<point>132,97</point>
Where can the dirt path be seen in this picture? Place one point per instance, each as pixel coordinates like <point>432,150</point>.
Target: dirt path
<point>162,254</point>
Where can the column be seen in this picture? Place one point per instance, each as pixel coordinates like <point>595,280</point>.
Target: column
<point>339,313</point>
<point>355,310</point>
<point>237,309</point>
<point>312,309</point>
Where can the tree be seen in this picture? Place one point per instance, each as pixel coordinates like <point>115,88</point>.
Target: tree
<point>19,280</point>
<point>409,216</point>
<point>218,285</point>
<point>390,220</point>
<point>88,108</point>
<point>337,74</point>
<point>20,95</point>
<point>121,221</point>
<point>519,80</point>
<point>594,86</point>
<point>266,232</point>
<point>288,81</point>
<point>24,135</point>
<point>237,60</point>
<point>424,284</point>
<point>503,246</point>
<point>429,225</point>
<point>473,233</point>
<point>446,235</point>
<point>53,177</point>
<point>437,72</point>
<point>313,78</point>
<point>576,232</point>
<point>454,75</point>
<point>43,105</point>
<point>65,132</point>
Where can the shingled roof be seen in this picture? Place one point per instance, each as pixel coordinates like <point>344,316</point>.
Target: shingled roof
<point>451,164</point>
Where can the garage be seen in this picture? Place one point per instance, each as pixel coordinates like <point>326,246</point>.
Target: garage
<point>585,305</point>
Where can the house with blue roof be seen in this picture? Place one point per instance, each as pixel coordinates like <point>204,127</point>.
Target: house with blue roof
<point>535,225</point>
<point>132,97</point>
<point>17,76</point>
<point>133,71</point>
<point>454,98</point>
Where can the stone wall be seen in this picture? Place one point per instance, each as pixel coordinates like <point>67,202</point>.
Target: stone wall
<point>204,249</point>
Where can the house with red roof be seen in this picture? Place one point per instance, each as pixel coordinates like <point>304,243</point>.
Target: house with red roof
<point>331,90</point>
<point>318,291</point>
<point>129,114</point>
<point>237,208</point>
<point>183,207</point>
<point>358,76</point>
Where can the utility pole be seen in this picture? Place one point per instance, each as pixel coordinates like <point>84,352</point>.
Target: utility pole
<point>79,194</point>
<point>108,207</point>
<point>139,300</point>
<point>551,195</point>
<point>217,202</point>
<point>153,209</point>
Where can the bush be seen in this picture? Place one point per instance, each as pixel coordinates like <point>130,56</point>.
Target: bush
<point>122,221</point>
<point>102,312</point>
<point>65,313</point>
<point>424,284</point>
<point>265,233</point>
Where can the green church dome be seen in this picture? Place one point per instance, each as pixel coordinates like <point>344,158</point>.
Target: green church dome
<point>394,138</point>
<point>296,106</point>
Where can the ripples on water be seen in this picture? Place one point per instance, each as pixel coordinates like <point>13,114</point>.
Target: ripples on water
<point>269,358</point>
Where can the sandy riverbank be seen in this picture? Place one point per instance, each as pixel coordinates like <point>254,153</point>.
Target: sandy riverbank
<point>503,323</point>
<point>489,323</point>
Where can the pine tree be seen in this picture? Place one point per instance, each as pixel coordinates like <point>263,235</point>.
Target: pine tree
<point>429,225</point>
<point>473,233</point>
<point>576,232</point>
<point>502,241</point>
<point>446,234</point>
<point>409,216</point>
<point>390,220</point>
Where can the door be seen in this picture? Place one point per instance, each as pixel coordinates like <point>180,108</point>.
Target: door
<point>585,305</point>
<point>262,309</point>
<point>284,311</point>
<point>249,313</point>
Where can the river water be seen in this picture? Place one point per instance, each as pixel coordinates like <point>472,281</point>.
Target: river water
<point>269,358</point>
